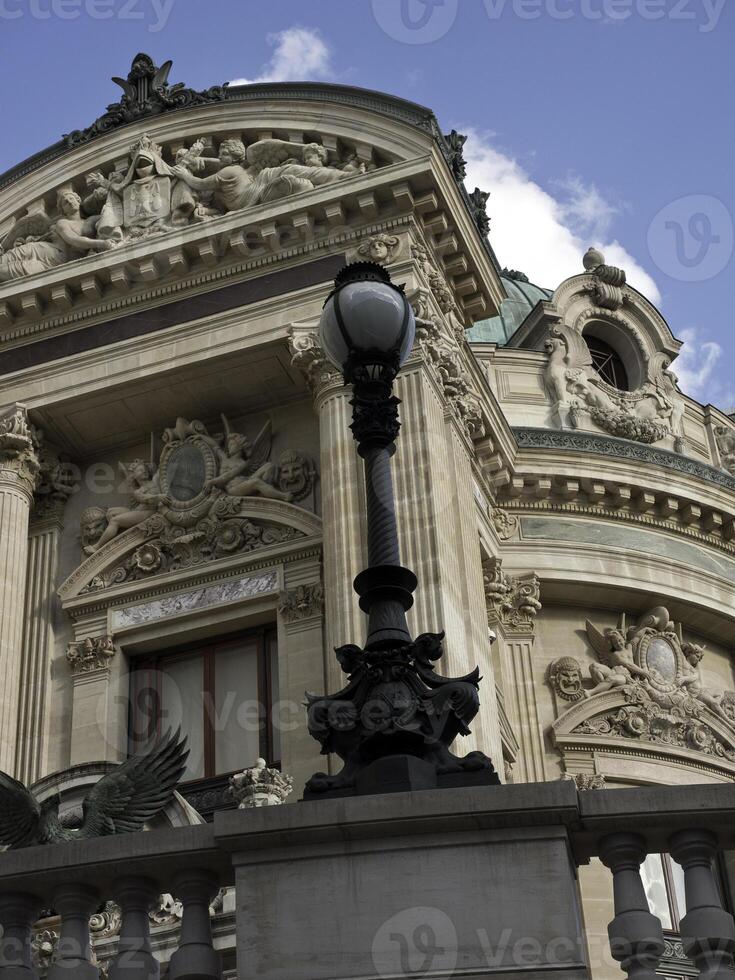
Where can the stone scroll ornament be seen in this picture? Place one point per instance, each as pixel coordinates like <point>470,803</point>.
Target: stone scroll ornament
<point>395,704</point>
<point>122,802</point>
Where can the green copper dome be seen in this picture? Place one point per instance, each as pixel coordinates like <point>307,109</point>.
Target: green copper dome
<point>522,297</point>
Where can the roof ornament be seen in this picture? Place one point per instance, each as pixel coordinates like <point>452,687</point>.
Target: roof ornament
<point>608,290</point>
<point>146,92</point>
<point>478,208</point>
<point>455,144</point>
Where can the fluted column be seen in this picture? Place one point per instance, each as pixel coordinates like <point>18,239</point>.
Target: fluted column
<point>439,539</point>
<point>707,930</point>
<point>342,494</point>
<point>636,936</point>
<point>19,469</point>
<point>18,912</point>
<point>35,671</point>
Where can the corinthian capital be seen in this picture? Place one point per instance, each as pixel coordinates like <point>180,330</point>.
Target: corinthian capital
<point>307,355</point>
<point>19,462</point>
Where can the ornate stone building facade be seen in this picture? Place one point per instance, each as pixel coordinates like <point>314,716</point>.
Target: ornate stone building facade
<point>181,503</point>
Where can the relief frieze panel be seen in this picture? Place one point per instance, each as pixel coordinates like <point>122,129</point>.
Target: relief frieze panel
<point>645,686</point>
<point>194,504</point>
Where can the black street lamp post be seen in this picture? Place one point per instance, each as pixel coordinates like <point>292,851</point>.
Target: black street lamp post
<point>394,722</point>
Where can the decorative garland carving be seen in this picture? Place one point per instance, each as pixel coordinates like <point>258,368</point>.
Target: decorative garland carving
<point>92,653</point>
<point>303,602</point>
<point>513,601</point>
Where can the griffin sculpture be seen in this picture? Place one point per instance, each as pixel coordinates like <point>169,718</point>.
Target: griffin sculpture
<point>122,802</point>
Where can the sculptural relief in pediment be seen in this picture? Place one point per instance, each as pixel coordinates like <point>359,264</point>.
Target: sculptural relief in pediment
<point>205,497</point>
<point>159,188</point>
<point>646,686</point>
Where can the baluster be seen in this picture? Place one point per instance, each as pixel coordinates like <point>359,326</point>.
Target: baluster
<point>76,904</point>
<point>18,912</point>
<point>707,930</point>
<point>196,957</point>
<point>636,936</point>
<point>134,960</point>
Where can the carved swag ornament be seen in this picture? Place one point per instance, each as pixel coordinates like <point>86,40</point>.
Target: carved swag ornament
<point>190,502</point>
<point>657,676</point>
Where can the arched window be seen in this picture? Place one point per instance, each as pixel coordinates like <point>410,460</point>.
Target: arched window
<point>608,363</point>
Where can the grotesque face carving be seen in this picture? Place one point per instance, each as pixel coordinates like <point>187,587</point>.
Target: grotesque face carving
<point>92,523</point>
<point>295,474</point>
<point>565,675</point>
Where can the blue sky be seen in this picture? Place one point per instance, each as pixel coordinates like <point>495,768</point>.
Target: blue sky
<point>604,122</point>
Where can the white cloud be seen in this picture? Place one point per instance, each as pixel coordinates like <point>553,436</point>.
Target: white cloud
<point>544,235</point>
<point>695,367</point>
<point>299,54</point>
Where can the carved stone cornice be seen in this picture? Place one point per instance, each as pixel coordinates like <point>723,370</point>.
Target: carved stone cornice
<point>512,601</point>
<point>92,653</point>
<point>303,602</point>
<point>19,463</point>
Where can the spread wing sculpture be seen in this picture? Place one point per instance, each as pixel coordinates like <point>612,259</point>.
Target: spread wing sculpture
<point>122,802</point>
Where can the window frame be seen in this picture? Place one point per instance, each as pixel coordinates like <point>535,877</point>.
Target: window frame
<point>207,650</point>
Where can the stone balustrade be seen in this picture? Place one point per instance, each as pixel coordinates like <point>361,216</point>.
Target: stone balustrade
<point>338,888</point>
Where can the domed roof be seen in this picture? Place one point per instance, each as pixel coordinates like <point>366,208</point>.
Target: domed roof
<point>522,297</point>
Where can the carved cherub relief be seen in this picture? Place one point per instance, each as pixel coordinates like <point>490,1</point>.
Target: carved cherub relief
<point>145,496</point>
<point>244,470</point>
<point>191,503</point>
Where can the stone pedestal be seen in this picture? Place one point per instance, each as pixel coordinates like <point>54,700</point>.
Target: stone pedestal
<point>19,468</point>
<point>462,885</point>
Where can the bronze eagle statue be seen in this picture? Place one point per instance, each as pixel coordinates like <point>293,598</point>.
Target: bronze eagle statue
<point>122,802</point>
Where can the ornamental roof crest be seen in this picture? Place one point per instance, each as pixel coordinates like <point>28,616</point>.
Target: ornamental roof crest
<point>146,92</point>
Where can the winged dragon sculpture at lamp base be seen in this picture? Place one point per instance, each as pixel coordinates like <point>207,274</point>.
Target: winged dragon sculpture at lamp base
<point>122,802</point>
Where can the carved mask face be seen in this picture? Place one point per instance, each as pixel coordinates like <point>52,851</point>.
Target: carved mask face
<point>293,474</point>
<point>93,524</point>
<point>569,680</point>
<point>378,250</point>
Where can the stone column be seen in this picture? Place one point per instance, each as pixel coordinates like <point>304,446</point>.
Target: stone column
<point>342,494</point>
<point>512,606</point>
<point>636,937</point>
<point>439,538</point>
<point>19,469</point>
<point>196,957</point>
<point>55,484</point>
<point>75,904</point>
<point>134,960</point>
<point>707,930</point>
<point>18,912</point>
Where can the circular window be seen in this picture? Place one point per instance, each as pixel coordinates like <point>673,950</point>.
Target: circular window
<point>607,363</point>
